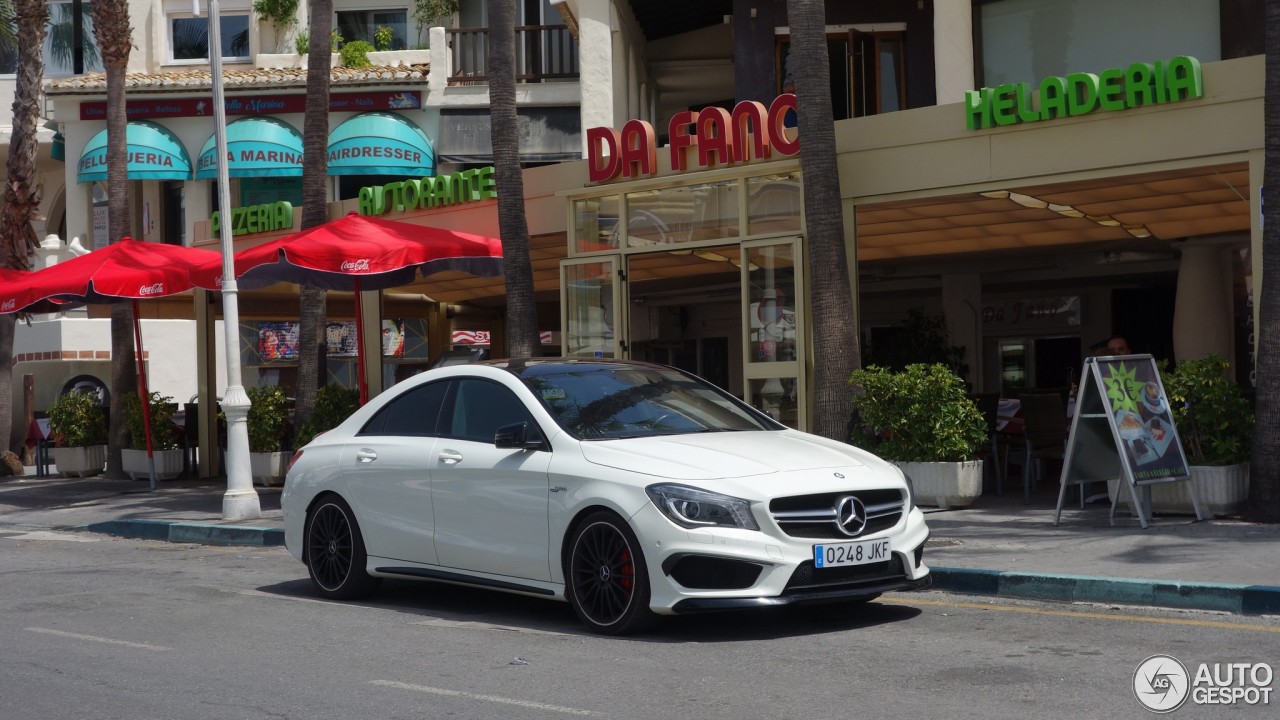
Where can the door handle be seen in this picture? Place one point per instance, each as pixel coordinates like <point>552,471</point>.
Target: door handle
<point>365,455</point>
<point>450,457</point>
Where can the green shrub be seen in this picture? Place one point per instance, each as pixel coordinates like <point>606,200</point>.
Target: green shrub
<point>164,434</point>
<point>77,420</point>
<point>302,42</point>
<point>921,414</point>
<point>268,419</point>
<point>1213,417</point>
<point>334,404</point>
<point>355,54</point>
<point>383,37</point>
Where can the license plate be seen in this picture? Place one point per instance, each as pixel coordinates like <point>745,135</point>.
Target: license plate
<point>851,553</point>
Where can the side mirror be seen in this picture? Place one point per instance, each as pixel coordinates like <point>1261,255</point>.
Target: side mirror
<point>518,436</point>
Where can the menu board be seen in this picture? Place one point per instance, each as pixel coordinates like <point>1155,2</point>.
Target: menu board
<point>1123,430</point>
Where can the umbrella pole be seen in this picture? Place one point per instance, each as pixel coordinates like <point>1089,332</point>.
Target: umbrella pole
<point>143,394</point>
<point>360,373</point>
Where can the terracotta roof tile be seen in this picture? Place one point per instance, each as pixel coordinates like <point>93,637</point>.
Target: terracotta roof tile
<point>265,78</point>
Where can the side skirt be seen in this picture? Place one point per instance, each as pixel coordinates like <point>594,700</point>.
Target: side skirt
<point>461,579</point>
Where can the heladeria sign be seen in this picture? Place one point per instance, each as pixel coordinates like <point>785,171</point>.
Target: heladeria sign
<point>1082,93</point>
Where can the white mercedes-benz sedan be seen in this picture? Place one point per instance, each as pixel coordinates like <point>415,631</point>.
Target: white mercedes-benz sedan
<point>629,490</point>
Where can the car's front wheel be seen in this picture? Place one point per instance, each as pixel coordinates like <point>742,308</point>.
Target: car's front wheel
<point>336,557</point>
<point>606,580</point>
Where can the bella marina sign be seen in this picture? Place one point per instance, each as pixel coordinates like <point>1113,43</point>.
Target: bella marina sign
<point>749,132</point>
<point>1082,93</point>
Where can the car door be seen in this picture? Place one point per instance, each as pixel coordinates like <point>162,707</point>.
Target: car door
<point>490,503</point>
<point>386,466</point>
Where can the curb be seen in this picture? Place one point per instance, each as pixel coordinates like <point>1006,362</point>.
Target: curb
<point>1220,597</point>
<point>184,532</point>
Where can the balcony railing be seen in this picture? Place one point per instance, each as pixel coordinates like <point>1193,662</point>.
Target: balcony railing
<point>543,52</point>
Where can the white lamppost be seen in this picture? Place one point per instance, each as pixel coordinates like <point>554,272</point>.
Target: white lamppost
<point>240,502</point>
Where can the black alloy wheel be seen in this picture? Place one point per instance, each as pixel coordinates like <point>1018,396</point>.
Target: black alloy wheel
<point>607,580</point>
<point>335,552</point>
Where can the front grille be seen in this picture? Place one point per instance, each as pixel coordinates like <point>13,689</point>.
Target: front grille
<point>808,579</point>
<point>813,516</point>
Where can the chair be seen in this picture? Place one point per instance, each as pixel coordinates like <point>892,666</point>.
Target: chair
<point>989,405</point>
<point>1044,433</point>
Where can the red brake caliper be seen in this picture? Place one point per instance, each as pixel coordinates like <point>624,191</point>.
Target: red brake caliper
<point>628,570</point>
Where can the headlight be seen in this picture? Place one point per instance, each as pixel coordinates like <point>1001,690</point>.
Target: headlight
<point>693,508</point>
<point>911,490</point>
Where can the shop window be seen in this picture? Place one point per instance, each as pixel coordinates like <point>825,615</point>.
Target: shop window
<point>58,43</point>
<point>774,204</point>
<point>595,224</point>
<point>189,37</point>
<point>868,72</point>
<point>364,24</point>
<point>682,214</point>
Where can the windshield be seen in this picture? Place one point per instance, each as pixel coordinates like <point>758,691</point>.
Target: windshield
<point>606,401</point>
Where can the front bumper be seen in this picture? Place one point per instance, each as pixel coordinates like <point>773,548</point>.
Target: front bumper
<point>786,574</point>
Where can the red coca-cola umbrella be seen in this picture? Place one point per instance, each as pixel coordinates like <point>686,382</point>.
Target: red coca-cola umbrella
<point>356,253</point>
<point>11,285</point>
<point>129,270</point>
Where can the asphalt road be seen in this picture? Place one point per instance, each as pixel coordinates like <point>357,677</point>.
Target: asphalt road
<point>97,627</point>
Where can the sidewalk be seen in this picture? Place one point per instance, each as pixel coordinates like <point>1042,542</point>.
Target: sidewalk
<point>997,547</point>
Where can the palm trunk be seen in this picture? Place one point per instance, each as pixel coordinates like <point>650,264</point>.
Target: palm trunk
<point>21,191</point>
<point>522,315</point>
<point>315,177</point>
<point>1264,470</point>
<point>835,327</point>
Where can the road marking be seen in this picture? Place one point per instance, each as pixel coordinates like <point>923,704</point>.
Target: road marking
<point>45,535</point>
<point>1082,614</point>
<point>486,698</point>
<point>108,641</point>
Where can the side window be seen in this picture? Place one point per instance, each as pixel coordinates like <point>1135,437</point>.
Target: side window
<point>481,407</point>
<point>413,413</point>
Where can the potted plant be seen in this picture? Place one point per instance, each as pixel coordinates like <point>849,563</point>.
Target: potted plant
<point>166,450</point>
<point>1214,420</point>
<point>334,404</point>
<point>922,420</point>
<point>268,426</point>
<point>78,427</point>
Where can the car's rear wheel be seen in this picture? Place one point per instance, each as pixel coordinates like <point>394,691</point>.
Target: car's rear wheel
<point>607,579</point>
<point>336,558</point>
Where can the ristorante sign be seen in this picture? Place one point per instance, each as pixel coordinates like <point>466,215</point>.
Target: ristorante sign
<point>720,137</point>
<point>428,192</point>
<point>256,105</point>
<point>1082,93</point>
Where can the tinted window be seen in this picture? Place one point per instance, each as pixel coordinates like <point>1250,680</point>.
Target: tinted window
<point>413,413</point>
<point>481,407</point>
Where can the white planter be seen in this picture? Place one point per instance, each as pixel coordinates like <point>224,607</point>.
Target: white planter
<point>944,484</point>
<point>396,58</point>
<point>168,464</point>
<point>1222,490</point>
<point>286,61</point>
<point>80,461</point>
<point>268,468</point>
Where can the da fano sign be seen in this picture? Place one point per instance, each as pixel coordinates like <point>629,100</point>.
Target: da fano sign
<point>719,137</point>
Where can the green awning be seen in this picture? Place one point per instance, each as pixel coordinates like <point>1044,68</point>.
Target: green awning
<point>155,153</point>
<point>256,147</point>
<point>380,143</point>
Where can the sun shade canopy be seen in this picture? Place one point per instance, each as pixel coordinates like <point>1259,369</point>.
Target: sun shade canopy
<point>155,153</point>
<point>380,143</point>
<point>256,147</point>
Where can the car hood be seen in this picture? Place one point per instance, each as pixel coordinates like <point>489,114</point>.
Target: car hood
<point>711,456</point>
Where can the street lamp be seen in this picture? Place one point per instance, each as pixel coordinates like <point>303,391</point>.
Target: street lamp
<point>240,502</point>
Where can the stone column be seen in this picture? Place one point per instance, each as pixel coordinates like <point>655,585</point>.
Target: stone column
<point>1202,319</point>
<point>962,307</point>
<point>953,49</point>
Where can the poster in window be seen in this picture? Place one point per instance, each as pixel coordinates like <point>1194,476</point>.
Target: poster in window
<point>393,338</point>
<point>340,339</point>
<point>278,341</point>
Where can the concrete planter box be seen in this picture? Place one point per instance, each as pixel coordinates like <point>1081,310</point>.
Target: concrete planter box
<point>396,58</point>
<point>80,461</point>
<point>1222,489</point>
<point>286,61</point>
<point>268,468</point>
<point>168,464</point>
<point>944,484</point>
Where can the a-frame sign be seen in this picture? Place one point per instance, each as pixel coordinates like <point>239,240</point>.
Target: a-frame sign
<point>1122,430</point>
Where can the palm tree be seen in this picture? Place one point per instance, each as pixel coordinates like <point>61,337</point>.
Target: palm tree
<point>835,327</point>
<point>114,36</point>
<point>513,226</point>
<point>315,169</point>
<point>21,193</point>
<point>1264,466</point>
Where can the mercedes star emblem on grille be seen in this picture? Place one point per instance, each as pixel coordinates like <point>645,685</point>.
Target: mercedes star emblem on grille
<point>851,515</point>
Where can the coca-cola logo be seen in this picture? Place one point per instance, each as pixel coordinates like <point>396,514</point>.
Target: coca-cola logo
<point>9,305</point>
<point>360,265</point>
<point>155,289</point>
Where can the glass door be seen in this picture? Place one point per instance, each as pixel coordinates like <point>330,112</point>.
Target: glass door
<point>774,325</point>
<point>592,294</point>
